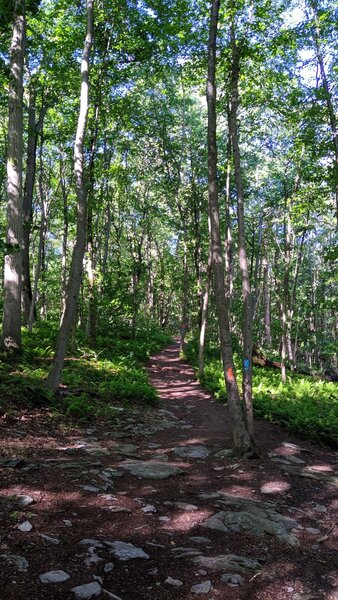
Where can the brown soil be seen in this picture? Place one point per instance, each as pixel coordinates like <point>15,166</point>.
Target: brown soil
<point>63,510</point>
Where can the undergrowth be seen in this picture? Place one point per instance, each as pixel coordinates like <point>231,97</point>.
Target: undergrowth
<point>95,383</point>
<point>304,404</point>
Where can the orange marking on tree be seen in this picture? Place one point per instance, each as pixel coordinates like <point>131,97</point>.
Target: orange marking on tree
<point>230,374</point>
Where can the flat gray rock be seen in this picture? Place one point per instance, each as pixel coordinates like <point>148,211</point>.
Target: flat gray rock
<point>150,470</point>
<point>254,516</point>
<point>192,451</point>
<point>227,562</point>
<point>54,577</point>
<point>174,582</point>
<point>311,473</point>
<point>87,591</point>
<point>202,588</point>
<point>126,551</point>
<point>233,579</point>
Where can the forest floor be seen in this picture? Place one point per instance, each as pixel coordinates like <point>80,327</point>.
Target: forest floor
<point>149,508</point>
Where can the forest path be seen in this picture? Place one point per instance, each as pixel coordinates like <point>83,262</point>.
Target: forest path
<point>151,509</point>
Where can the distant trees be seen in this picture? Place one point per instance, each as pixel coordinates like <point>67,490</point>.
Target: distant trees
<point>143,250</point>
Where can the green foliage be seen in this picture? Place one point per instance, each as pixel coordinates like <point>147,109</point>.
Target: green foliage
<point>304,405</point>
<point>94,383</point>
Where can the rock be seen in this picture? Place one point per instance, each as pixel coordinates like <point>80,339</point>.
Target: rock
<point>256,517</point>
<point>54,577</point>
<point>151,470</point>
<point>312,530</point>
<point>24,500</point>
<point>68,523</point>
<point>50,539</point>
<point>201,588</point>
<point>199,539</point>
<point>312,473</point>
<point>226,453</point>
<point>233,579</point>
<point>12,463</point>
<point>192,451</point>
<point>18,561</point>
<point>149,508</point>
<point>126,551</point>
<point>108,567</point>
<point>227,562</point>
<point>25,527</point>
<point>320,508</point>
<point>127,448</point>
<point>173,582</point>
<point>90,488</point>
<point>87,591</point>
<point>185,506</point>
<point>186,552</point>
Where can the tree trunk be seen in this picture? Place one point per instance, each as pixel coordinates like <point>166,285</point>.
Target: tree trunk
<point>204,316</point>
<point>242,440</point>
<point>328,98</point>
<point>74,282</point>
<point>42,238</point>
<point>243,261</point>
<point>11,324</point>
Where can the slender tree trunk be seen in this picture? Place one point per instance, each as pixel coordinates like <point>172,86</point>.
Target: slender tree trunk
<point>27,207</point>
<point>328,97</point>
<point>65,193</point>
<point>228,235</point>
<point>266,302</point>
<point>74,282</point>
<point>42,237</point>
<point>185,319</point>
<point>203,328</point>
<point>243,261</point>
<point>242,439</point>
<point>11,323</point>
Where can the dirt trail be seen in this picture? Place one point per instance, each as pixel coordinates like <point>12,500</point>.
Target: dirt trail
<point>148,510</point>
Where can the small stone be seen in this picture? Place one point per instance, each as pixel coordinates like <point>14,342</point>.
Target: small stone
<point>173,582</point>
<point>108,567</point>
<point>185,506</point>
<point>68,523</point>
<point>90,488</point>
<point>149,508</point>
<point>199,539</point>
<point>25,527</point>
<point>151,470</point>
<point>233,579</point>
<point>320,508</point>
<point>50,539</point>
<point>312,530</point>
<point>110,595</point>
<point>201,588</point>
<point>127,551</point>
<point>87,591</point>
<point>24,500</point>
<point>192,451</point>
<point>54,577</point>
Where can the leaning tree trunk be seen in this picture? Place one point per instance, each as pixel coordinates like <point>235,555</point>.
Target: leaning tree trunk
<point>243,261</point>
<point>204,317</point>
<point>11,324</point>
<point>74,282</point>
<point>243,441</point>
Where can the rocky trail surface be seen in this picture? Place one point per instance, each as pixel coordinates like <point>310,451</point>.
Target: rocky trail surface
<point>155,508</point>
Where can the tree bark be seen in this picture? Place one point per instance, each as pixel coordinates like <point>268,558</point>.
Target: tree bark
<point>243,261</point>
<point>242,440</point>
<point>204,316</point>
<point>74,282</point>
<point>11,324</point>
